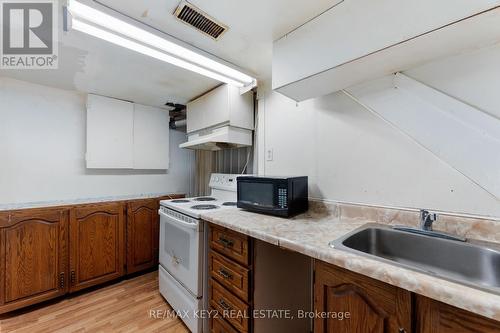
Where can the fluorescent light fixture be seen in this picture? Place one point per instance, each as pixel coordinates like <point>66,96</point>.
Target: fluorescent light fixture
<point>101,25</point>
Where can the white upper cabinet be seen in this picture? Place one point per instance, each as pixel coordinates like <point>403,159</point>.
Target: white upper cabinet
<point>221,119</point>
<point>124,135</point>
<point>358,40</point>
<point>220,107</point>
<point>151,137</point>
<point>110,138</point>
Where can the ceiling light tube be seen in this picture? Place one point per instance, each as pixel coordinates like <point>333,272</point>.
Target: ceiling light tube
<point>176,54</point>
<point>129,44</point>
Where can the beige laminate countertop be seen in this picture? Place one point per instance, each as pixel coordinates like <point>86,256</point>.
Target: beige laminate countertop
<point>81,201</point>
<point>310,233</point>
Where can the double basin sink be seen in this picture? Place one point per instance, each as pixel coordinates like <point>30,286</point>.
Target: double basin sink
<point>474,264</point>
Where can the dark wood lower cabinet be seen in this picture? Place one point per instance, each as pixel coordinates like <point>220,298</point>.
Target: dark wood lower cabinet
<point>435,317</point>
<point>48,252</point>
<point>33,256</point>
<point>375,306</point>
<point>353,303</point>
<point>97,238</point>
<point>142,235</point>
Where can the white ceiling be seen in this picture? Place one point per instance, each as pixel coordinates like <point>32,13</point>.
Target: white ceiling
<point>91,65</point>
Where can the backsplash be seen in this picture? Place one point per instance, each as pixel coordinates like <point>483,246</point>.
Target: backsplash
<point>471,227</point>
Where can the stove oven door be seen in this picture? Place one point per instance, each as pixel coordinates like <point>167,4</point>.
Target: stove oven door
<point>181,249</point>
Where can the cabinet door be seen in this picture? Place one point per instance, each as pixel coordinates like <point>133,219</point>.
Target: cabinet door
<point>97,235</point>
<point>110,136</point>
<point>372,306</point>
<point>142,235</point>
<point>33,256</point>
<point>151,137</point>
<point>216,101</point>
<point>436,317</point>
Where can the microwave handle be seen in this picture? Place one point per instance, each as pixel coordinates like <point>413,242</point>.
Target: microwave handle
<point>179,222</point>
<point>261,208</point>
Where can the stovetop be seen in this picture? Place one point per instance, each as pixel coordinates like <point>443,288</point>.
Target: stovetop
<point>223,196</point>
<point>194,207</point>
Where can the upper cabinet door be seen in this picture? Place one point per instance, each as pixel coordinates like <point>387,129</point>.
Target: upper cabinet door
<point>33,256</point>
<point>97,235</point>
<point>221,106</point>
<point>124,135</point>
<point>110,140</point>
<point>151,137</point>
<point>208,110</point>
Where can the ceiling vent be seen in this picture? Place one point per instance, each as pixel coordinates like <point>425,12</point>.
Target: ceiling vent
<point>199,20</point>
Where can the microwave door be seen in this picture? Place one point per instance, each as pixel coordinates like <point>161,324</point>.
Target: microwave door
<point>257,194</point>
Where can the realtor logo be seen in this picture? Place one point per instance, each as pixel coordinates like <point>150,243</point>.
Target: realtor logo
<point>29,34</point>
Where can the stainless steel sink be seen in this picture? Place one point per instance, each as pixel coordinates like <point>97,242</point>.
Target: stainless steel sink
<point>473,264</point>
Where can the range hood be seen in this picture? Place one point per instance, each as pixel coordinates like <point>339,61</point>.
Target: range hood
<point>221,119</point>
<point>219,138</point>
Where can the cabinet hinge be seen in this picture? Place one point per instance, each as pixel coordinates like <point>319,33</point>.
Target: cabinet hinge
<point>61,280</point>
<point>72,277</point>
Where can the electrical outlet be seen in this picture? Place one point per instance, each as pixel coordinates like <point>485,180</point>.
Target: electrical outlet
<point>269,154</point>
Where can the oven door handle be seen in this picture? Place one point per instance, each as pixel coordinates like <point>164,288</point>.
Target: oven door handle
<point>171,219</point>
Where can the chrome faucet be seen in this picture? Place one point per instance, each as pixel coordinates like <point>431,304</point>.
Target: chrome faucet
<point>427,219</point>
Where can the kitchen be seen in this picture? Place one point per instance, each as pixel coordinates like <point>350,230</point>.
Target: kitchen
<point>264,166</point>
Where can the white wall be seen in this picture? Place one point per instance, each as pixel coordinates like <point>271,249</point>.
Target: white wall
<point>42,149</point>
<point>352,155</point>
<point>472,77</point>
<point>458,134</point>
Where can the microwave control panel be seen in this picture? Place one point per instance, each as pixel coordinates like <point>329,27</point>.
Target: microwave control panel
<point>282,197</point>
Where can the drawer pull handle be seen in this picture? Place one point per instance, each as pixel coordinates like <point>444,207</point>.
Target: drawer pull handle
<point>224,305</point>
<point>402,330</point>
<point>226,242</point>
<point>225,274</point>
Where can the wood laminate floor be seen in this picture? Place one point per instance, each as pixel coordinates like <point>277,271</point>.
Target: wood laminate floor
<point>122,307</point>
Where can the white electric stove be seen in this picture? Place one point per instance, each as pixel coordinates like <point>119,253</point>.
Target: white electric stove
<point>183,253</point>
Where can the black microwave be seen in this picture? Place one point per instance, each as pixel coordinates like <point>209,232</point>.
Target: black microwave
<point>281,196</point>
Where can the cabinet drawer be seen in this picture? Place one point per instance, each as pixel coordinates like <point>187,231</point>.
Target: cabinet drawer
<point>219,325</point>
<point>229,306</point>
<point>230,274</point>
<point>230,243</point>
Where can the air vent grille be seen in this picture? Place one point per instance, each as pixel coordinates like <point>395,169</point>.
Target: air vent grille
<point>196,18</point>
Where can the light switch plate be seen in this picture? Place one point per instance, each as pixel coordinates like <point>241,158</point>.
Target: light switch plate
<point>269,154</point>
